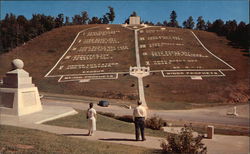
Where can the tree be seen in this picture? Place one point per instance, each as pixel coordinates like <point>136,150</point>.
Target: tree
<point>200,24</point>
<point>67,21</point>
<point>173,21</point>
<point>22,33</point>
<point>105,19</point>
<point>85,17</point>
<point>36,26</point>
<point>77,20</point>
<point>159,24</point>
<point>217,27</point>
<point>48,22</point>
<point>59,20</point>
<point>165,23</point>
<point>208,26</point>
<point>95,20</point>
<point>189,23</point>
<point>242,35</point>
<point>134,14</point>
<point>230,29</point>
<point>9,32</point>
<point>149,23</point>
<point>111,14</point>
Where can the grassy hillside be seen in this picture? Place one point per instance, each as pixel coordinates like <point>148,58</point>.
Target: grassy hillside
<point>41,54</point>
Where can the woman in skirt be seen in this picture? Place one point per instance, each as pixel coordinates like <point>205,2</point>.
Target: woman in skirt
<point>91,116</point>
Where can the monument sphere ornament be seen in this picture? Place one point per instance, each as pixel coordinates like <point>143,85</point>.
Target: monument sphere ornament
<point>18,64</point>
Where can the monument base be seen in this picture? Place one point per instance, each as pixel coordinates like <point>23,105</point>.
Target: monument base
<point>19,101</point>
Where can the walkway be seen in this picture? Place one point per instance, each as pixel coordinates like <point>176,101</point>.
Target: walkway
<point>138,63</point>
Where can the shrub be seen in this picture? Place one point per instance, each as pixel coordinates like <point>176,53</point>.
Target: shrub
<point>184,142</point>
<point>112,115</point>
<point>126,118</point>
<point>155,123</point>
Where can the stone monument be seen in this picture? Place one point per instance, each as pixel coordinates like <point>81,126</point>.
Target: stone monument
<point>18,96</point>
<point>134,20</point>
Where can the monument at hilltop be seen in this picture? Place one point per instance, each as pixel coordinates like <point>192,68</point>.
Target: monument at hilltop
<point>136,20</point>
<point>18,96</point>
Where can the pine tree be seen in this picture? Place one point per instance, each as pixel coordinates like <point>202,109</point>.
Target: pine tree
<point>77,20</point>
<point>189,23</point>
<point>111,14</point>
<point>85,17</point>
<point>95,20</point>
<point>59,20</point>
<point>67,21</point>
<point>173,21</point>
<point>200,24</point>
<point>105,19</point>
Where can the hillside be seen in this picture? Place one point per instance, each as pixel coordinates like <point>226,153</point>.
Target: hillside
<point>104,53</point>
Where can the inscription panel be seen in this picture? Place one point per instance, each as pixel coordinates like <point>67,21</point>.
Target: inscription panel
<point>7,99</point>
<point>29,98</point>
<point>191,73</point>
<point>98,50</point>
<point>175,49</point>
<point>88,77</point>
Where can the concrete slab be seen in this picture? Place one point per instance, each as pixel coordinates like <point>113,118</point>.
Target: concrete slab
<point>48,113</point>
<point>227,144</point>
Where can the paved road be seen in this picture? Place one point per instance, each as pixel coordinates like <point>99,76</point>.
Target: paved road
<point>216,115</point>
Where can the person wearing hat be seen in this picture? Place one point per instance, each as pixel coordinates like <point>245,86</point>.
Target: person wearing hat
<point>139,116</point>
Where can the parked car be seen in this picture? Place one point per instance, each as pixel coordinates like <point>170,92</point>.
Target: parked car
<point>103,103</point>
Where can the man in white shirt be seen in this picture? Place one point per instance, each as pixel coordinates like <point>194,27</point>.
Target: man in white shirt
<point>139,115</point>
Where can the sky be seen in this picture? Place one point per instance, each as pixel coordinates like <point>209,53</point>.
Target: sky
<point>148,10</point>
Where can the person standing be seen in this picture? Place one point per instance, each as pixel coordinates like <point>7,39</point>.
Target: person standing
<point>91,116</point>
<point>139,115</point>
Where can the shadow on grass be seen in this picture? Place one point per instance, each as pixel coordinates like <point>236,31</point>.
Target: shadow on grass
<point>117,139</point>
<point>75,134</point>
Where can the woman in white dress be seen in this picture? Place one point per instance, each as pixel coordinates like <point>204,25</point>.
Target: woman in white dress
<point>91,116</point>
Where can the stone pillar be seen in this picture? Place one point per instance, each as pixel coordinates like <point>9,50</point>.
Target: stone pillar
<point>18,96</point>
<point>210,132</point>
<point>134,20</point>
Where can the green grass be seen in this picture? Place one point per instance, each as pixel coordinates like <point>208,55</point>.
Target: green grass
<point>21,140</point>
<point>104,123</point>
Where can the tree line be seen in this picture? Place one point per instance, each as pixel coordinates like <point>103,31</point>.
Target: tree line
<point>237,33</point>
<point>16,30</point>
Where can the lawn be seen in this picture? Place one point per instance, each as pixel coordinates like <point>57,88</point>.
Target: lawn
<point>104,123</point>
<point>21,140</point>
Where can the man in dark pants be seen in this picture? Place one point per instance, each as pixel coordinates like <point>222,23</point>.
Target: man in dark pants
<point>139,115</point>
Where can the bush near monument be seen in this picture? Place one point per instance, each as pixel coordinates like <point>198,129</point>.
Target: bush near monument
<point>155,123</point>
<point>184,142</point>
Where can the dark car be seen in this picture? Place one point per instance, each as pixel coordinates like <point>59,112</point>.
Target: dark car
<point>103,103</point>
